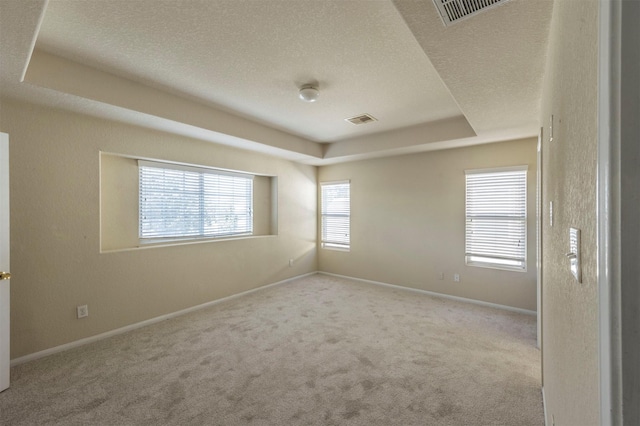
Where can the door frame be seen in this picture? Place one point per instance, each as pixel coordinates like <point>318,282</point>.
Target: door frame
<point>618,211</point>
<point>539,241</point>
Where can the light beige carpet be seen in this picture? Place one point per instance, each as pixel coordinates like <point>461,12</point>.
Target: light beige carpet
<point>316,351</point>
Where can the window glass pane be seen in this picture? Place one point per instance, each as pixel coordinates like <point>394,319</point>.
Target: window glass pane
<point>335,212</point>
<point>496,219</point>
<point>185,202</point>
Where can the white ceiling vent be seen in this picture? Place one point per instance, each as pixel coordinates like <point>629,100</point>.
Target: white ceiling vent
<point>452,11</point>
<point>361,119</point>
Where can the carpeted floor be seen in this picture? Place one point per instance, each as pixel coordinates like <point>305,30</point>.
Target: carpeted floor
<point>316,351</point>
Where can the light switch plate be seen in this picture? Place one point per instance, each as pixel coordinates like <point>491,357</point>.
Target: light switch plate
<point>574,253</point>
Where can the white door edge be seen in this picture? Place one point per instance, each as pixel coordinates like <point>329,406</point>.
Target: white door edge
<point>4,262</point>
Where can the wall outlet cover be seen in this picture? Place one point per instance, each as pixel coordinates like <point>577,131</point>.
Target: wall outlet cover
<point>83,311</point>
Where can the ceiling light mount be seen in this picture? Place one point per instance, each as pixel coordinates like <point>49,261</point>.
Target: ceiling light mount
<point>309,93</point>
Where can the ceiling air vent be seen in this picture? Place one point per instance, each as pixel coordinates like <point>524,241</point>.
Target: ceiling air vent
<point>361,119</point>
<point>452,11</point>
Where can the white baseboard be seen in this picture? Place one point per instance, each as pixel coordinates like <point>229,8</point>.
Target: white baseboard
<point>432,293</point>
<point>87,340</point>
<point>91,339</point>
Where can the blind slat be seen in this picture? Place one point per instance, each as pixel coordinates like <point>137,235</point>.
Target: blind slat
<point>185,202</point>
<point>335,213</point>
<point>496,218</point>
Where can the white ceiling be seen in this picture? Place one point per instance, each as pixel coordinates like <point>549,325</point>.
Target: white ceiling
<point>228,71</point>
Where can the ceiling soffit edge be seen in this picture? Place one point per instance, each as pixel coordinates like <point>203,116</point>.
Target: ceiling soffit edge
<point>69,77</point>
<point>65,76</point>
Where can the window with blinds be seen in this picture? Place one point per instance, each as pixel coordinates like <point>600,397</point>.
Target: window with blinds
<point>336,213</point>
<point>496,218</point>
<point>191,202</point>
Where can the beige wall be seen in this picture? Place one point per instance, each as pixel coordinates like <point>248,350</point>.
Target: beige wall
<point>407,223</point>
<point>570,309</point>
<point>55,230</point>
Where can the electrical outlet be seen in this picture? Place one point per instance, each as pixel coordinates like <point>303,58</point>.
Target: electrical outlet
<point>456,277</point>
<point>83,311</point>
<point>290,262</point>
<point>441,275</point>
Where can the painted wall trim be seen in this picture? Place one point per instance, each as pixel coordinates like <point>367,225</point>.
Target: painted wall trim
<point>544,406</point>
<point>608,238</point>
<point>121,330</point>
<point>618,212</point>
<point>434,294</point>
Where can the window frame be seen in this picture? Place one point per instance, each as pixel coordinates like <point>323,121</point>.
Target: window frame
<point>328,244</point>
<point>202,171</point>
<point>499,262</point>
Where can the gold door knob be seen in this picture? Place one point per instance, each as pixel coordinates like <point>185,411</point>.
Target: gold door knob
<point>5,275</point>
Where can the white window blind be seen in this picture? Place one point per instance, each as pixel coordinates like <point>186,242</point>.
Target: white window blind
<point>496,218</point>
<point>336,212</point>
<point>190,202</point>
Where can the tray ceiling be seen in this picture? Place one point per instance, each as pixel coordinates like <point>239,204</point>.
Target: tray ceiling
<point>229,71</point>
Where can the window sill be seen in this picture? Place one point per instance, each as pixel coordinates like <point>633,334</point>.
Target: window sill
<point>494,266</point>
<point>170,242</point>
<point>179,240</point>
<point>335,248</point>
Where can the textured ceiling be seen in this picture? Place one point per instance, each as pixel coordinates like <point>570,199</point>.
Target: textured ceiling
<point>493,63</point>
<point>228,71</point>
<point>251,57</point>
